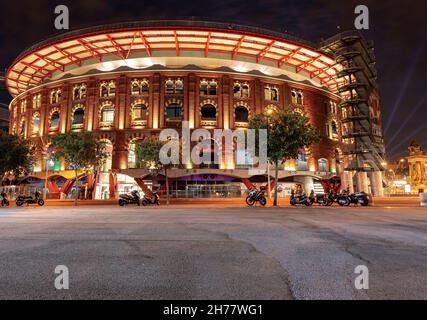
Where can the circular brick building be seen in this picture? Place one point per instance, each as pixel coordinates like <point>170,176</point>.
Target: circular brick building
<point>126,82</point>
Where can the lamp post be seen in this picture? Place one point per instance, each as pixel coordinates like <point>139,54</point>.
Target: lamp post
<point>269,113</point>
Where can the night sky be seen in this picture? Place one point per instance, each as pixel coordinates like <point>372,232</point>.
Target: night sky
<point>398,28</point>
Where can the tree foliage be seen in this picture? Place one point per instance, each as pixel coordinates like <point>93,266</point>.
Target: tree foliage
<point>80,150</point>
<point>287,131</point>
<point>148,153</point>
<point>16,154</point>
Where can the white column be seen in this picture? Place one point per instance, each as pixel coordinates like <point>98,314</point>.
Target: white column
<point>377,184</point>
<point>362,182</point>
<point>347,181</point>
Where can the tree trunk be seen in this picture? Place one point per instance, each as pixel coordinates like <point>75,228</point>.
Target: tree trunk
<point>167,186</point>
<point>77,188</point>
<point>276,178</point>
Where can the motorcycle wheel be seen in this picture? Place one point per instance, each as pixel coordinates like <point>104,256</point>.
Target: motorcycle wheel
<point>40,202</point>
<point>122,203</point>
<point>144,203</point>
<point>263,201</point>
<point>365,203</point>
<point>346,203</point>
<point>19,203</point>
<point>293,203</point>
<point>250,201</point>
<point>307,203</point>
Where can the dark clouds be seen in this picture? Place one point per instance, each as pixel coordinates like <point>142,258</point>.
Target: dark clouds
<point>397,27</point>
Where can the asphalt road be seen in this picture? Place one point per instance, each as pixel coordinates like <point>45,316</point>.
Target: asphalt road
<point>213,252</point>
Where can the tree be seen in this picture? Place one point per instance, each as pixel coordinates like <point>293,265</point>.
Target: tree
<point>148,154</point>
<point>81,151</point>
<point>16,155</point>
<point>287,132</point>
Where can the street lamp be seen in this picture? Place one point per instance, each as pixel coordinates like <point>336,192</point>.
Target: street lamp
<point>270,111</point>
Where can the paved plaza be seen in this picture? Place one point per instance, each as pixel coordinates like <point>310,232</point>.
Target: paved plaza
<point>213,251</point>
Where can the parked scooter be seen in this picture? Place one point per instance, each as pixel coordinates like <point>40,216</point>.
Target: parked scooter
<point>359,198</point>
<point>4,200</point>
<point>345,198</point>
<point>255,196</point>
<point>299,199</point>
<point>130,198</point>
<point>320,199</point>
<point>155,199</point>
<point>37,199</point>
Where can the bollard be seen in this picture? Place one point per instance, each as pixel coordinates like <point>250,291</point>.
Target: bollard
<point>423,198</point>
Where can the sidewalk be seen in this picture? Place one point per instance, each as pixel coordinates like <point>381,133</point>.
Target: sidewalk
<point>240,202</point>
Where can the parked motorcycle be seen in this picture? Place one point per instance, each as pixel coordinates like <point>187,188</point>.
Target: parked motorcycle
<point>322,199</point>
<point>359,198</point>
<point>4,200</point>
<point>332,197</point>
<point>299,199</point>
<point>130,198</point>
<point>255,196</point>
<point>37,199</point>
<point>155,199</point>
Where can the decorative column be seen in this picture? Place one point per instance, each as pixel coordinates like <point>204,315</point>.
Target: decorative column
<point>347,180</point>
<point>191,101</point>
<point>226,105</point>
<point>362,182</point>
<point>91,107</point>
<point>377,184</point>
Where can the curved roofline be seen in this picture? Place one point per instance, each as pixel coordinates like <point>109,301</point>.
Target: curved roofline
<point>190,22</point>
<point>120,39</point>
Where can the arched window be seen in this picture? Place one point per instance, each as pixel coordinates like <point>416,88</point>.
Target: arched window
<point>179,86</point>
<point>173,111</point>
<point>170,88</point>
<point>241,114</point>
<point>334,128</point>
<point>54,121</point>
<point>245,91</point>
<point>107,89</point>
<point>208,112</point>
<point>237,90</point>
<point>37,101</point>
<point>135,87</point>
<point>55,96</point>
<point>274,94</point>
<point>213,86</point>
<point>111,88</point>
<point>78,118</point>
<point>302,160</point>
<point>294,97</point>
<point>107,115</point>
<point>267,95</point>
<point>36,124</point>
<point>300,98</point>
<point>204,88</point>
<point>144,87</point>
<point>322,163</point>
<point>139,112</point>
<point>22,128</point>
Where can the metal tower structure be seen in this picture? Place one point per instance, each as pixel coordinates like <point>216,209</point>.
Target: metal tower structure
<point>360,105</point>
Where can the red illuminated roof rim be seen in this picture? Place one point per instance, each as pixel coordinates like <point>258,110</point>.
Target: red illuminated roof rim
<point>187,23</point>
